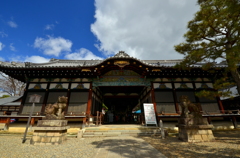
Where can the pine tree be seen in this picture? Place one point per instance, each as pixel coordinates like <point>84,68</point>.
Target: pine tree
<point>214,33</point>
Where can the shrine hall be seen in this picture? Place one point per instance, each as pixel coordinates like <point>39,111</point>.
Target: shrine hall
<point>115,87</point>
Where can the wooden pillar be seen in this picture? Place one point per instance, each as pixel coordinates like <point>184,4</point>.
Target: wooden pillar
<point>100,119</point>
<point>89,104</point>
<point>220,105</point>
<point>234,121</point>
<point>8,122</point>
<point>68,95</point>
<point>175,98</point>
<point>23,99</point>
<point>84,122</point>
<point>154,102</point>
<point>45,99</point>
<point>32,121</point>
<point>97,118</point>
<point>142,119</point>
<point>209,120</point>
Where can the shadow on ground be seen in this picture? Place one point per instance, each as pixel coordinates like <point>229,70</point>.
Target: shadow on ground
<point>227,144</point>
<point>132,147</point>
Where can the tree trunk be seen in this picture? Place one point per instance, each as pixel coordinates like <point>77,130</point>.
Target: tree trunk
<point>232,65</point>
<point>236,77</point>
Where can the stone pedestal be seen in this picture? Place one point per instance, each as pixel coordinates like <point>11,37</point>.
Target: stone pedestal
<point>80,134</point>
<point>191,131</point>
<point>50,132</point>
<point>52,123</point>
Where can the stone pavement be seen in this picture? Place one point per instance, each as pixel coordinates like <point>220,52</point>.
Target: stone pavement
<point>126,147</point>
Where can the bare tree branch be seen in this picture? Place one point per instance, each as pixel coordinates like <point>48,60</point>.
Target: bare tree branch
<point>11,86</point>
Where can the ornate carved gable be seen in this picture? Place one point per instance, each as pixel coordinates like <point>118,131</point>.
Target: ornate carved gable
<point>121,54</point>
<point>121,73</point>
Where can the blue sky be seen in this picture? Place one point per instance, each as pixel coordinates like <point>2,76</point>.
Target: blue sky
<point>37,31</point>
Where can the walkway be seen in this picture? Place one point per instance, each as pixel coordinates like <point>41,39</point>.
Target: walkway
<point>126,147</point>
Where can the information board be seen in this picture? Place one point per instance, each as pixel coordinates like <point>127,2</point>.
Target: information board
<point>149,113</point>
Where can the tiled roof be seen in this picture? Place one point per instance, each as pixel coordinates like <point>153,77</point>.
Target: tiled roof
<point>10,100</point>
<point>88,63</point>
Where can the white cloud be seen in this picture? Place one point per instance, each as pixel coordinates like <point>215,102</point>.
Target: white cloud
<point>12,48</point>
<point>3,34</point>
<point>17,58</point>
<point>82,54</point>
<point>2,59</point>
<point>143,29</point>
<point>49,27</point>
<point>1,46</point>
<point>36,59</point>
<point>178,3</point>
<point>12,24</point>
<point>53,46</point>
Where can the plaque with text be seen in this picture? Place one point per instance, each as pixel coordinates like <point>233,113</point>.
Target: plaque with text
<point>149,113</point>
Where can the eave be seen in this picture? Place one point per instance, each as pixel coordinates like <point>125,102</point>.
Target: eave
<point>56,68</point>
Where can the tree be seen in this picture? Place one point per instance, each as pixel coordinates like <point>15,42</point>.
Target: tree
<point>213,34</point>
<point>4,96</point>
<point>11,86</point>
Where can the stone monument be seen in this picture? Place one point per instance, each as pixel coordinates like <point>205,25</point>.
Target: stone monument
<point>192,126</point>
<point>52,130</point>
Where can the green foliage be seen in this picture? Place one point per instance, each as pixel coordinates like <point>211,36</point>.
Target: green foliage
<point>213,34</point>
<point>222,84</point>
<point>4,96</point>
<point>105,107</point>
<point>207,94</point>
<point>137,108</point>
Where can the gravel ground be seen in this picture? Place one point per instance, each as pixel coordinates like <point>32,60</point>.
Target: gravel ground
<point>226,145</point>
<point>11,147</point>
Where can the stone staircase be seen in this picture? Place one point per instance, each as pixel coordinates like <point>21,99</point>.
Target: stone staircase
<point>120,130</point>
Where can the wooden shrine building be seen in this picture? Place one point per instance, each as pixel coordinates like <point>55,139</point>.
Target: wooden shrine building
<point>123,83</point>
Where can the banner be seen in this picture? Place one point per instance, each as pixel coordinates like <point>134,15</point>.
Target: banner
<point>149,113</point>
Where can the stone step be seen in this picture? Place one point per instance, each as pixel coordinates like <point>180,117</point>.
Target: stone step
<point>94,129</point>
<point>112,133</point>
<point>118,129</point>
<point>118,135</point>
<point>103,130</point>
<point>121,132</point>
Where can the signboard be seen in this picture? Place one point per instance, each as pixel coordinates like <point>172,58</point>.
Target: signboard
<point>149,113</point>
